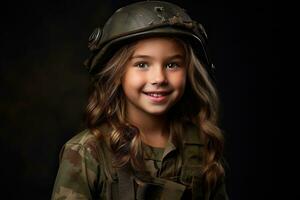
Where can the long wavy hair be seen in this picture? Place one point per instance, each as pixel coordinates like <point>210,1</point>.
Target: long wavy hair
<point>106,104</point>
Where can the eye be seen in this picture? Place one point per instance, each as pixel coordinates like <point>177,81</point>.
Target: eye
<point>141,65</point>
<point>172,66</point>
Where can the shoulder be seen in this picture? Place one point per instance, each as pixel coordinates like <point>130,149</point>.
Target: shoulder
<point>79,170</point>
<point>192,152</point>
<point>83,139</point>
<point>79,148</point>
<point>85,145</point>
<point>192,134</point>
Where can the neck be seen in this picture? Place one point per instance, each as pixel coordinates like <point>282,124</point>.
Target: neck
<point>153,128</point>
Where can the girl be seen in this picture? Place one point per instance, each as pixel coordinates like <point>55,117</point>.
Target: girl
<point>152,112</point>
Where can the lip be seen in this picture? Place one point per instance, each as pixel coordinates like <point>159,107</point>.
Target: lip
<point>161,98</point>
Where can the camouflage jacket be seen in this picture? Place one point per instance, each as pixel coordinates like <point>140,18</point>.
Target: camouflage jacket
<point>85,170</point>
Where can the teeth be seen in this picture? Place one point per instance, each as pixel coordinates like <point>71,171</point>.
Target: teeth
<point>155,94</point>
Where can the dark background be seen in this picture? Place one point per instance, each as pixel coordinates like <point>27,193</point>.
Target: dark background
<point>43,88</point>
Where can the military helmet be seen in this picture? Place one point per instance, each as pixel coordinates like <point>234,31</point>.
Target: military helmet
<point>145,19</point>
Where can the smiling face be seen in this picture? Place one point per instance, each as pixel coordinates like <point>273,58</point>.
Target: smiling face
<point>155,76</point>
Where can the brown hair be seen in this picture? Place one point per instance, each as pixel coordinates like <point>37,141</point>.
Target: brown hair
<point>106,104</point>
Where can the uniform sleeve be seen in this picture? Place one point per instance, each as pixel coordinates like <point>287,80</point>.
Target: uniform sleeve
<point>78,173</point>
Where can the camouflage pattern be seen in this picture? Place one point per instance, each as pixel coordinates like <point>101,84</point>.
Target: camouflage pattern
<point>85,165</point>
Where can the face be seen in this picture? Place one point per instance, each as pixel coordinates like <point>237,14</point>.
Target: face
<point>155,76</point>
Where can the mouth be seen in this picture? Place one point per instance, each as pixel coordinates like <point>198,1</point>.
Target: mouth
<point>157,96</point>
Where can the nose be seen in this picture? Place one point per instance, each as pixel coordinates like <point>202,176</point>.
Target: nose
<point>158,76</point>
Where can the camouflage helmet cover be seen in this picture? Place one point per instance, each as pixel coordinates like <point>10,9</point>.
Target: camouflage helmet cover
<point>145,19</point>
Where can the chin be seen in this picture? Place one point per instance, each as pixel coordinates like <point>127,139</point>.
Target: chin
<point>158,111</point>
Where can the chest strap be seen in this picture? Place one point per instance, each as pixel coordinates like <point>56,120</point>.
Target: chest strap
<point>126,183</point>
<point>132,187</point>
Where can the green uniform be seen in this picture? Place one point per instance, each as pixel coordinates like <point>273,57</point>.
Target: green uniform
<point>85,172</point>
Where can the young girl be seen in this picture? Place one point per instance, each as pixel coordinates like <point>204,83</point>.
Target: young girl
<point>152,113</point>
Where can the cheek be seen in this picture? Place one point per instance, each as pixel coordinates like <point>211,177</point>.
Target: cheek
<point>132,80</point>
<point>179,81</point>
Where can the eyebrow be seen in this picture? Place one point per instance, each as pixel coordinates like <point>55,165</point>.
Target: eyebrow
<point>179,56</point>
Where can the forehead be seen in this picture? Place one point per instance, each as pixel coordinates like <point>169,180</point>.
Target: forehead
<point>159,46</point>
